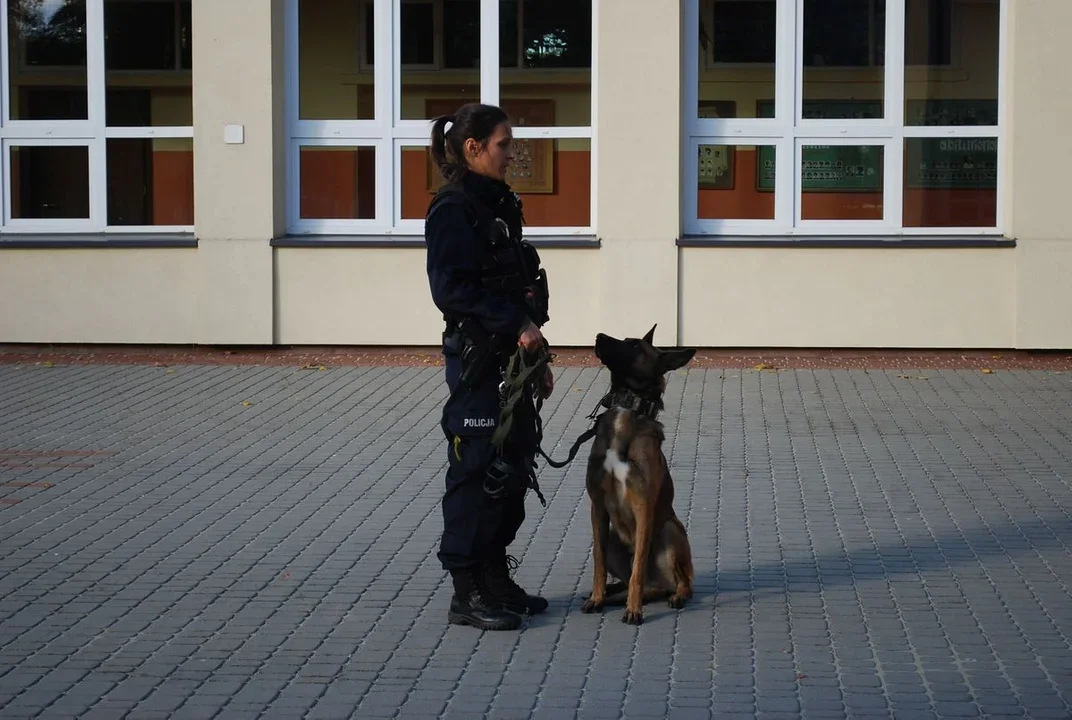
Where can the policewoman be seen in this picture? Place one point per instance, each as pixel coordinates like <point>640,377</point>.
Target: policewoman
<point>488,283</point>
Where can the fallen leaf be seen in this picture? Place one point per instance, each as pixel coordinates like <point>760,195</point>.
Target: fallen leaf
<point>246,403</point>
<point>171,371</point>
<point>48,363</point>
<point>996,357</point>
<point>764,366</point>
<point>987,371</point>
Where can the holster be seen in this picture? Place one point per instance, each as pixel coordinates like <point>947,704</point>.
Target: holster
<point>477,349</point>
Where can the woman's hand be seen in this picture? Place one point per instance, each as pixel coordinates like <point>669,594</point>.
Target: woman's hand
<point>531,338</point>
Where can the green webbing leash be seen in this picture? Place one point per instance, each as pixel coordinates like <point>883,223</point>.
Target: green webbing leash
<point>520,369</point>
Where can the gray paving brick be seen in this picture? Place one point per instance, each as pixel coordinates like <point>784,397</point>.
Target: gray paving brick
<point>896,542</point>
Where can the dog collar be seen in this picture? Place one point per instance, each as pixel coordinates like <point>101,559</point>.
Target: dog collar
<point>629,400</point>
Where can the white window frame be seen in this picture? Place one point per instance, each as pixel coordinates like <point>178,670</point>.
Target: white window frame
<point>92,133</point>
<point>388,132</point>
<point>787,131</point>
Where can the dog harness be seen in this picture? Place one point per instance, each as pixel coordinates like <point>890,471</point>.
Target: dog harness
<point>630,400</point>
<point>619,397</point>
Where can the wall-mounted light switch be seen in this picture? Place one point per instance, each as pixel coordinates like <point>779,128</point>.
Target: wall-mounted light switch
<point>234,134</point>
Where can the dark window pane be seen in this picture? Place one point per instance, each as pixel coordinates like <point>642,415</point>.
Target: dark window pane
<point>932,101</point>
<point>928,31</point>
<point>461,34</point>
<point>151,182</point>
<point>139,35</point>
<point>334,39</point>
<point>418,34</point>
<point>878,33</point>
<point>744,31</point>
<point>53,35</point>
<point>460,41</point>
<point>370,35</point>
<point>838,33</point>
<point>49,182</point>
<point>52,103</point>
<point>558,33</point>
<point>508,33</point>
<point>186,44</point>
<point>47,35</point>
<point>142,36</point>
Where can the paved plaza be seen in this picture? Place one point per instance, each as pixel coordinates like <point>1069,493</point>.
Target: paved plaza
<point>249,541</point>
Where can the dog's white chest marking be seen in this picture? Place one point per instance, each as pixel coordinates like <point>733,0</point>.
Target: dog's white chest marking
<point>613,464</point>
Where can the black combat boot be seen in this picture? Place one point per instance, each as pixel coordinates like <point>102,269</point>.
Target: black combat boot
<point>505,591</point>
<point>472,605</point>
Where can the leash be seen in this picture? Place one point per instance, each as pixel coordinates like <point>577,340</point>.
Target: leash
<point>585,437</point>
<point>614,398</point>
<point>521,370</point>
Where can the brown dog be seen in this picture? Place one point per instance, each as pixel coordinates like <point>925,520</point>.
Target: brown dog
<point>635,534</point>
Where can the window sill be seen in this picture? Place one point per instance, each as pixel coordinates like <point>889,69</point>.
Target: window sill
<point>847,242</point>
<point>82,241</point>
<point>416,241</point>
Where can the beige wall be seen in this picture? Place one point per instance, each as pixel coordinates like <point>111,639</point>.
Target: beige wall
<point>238,189</point>
<point>813,297</point>
<point>380,296</point>
<point>99,296</point>
<point>236,289</point>
<point>222,291</point>
<point>1040,105</point>
<point>638,166</point>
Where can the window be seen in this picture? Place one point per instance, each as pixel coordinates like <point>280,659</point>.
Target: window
<point>96,133</point>
<point>843,116</point>
<point>360,105</point>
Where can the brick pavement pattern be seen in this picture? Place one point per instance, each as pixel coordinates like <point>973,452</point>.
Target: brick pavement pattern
<point>241,541</point>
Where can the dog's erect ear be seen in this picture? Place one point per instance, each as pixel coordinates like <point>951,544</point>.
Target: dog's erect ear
<point>674,359</point>
<point>650,337</point>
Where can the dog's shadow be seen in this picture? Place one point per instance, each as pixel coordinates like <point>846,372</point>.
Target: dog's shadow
<point>740,584</point>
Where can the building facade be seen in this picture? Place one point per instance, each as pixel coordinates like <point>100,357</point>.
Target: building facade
<point>819,173</point>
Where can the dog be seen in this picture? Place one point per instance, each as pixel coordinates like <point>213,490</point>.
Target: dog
<point>635,534</point>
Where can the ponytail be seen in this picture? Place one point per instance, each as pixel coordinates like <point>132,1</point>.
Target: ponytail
<point>472,120</point>
<point>446,150</point>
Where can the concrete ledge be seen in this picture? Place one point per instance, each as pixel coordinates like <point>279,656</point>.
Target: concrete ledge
<point>77,241</point>
<point>411,241</point>
<point>898,242</point>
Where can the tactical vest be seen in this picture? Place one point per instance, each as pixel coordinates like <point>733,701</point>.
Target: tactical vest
<point>510,265</point>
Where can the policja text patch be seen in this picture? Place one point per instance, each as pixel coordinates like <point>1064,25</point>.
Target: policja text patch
<point>478,422</point>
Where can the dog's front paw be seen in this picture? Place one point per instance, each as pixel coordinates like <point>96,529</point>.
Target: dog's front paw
<point>676,601</point>
<point>630,617</point>
<point>591,606</point>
